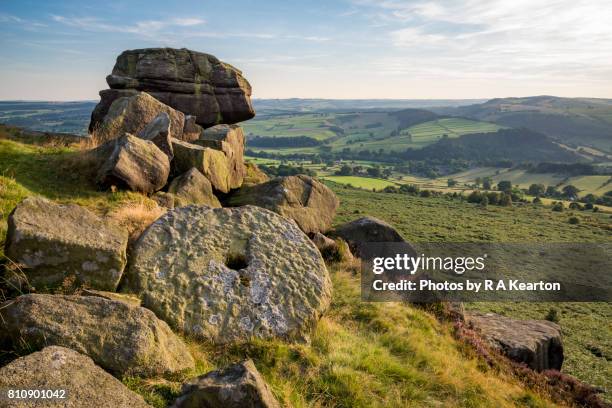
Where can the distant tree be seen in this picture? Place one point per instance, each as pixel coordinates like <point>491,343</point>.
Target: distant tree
<point>551,191</point>
<point>475,197</point>
<point>557,206</point>
<point>505,186</point>
<point>477,181</point>
<point>536,190</point>
<point>425,193</point>
<point>345,170</point>
<point>486,183</point>
<point>387,172</point>
<point>537,200</point>
<point>485,201</point>
<point>451,183</point>
<point>493,197</point>
<point>505,200</point>
<point>374,171</point>
<point>409,189</point>
<point>570,191</point>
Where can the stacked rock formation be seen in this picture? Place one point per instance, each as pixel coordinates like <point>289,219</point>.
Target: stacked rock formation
<point>192,82</point>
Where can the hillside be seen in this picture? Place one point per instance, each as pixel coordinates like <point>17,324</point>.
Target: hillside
<point>575,121</point>
<point>361,354</point>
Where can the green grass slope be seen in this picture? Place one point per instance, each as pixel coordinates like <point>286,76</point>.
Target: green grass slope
<point>361,354</point>
<point>586,326</point>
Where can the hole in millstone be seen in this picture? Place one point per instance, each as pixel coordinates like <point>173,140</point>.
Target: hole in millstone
<point>236,261</point>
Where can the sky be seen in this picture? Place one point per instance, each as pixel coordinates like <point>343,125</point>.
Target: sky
<point>340,49</point>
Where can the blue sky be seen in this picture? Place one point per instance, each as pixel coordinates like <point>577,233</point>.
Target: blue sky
<point>62,50</point>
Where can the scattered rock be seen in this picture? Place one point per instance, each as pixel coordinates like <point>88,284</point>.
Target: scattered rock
<point>230,140</point>
<point>367,230</point>
<point>305,200</point>
<point>58,243</point>
<point>59,368</point>
<point>224,274</point>
<point>253,175</point>
<point>536,343</point>
<point>213,164</point>
<point>163,199</point>
<point>158,132</point>
<point>192,82</point>
<point>132,114</point>
<point>191,130</point>
<point>322,242</point>
<point>237,386</point>
<point>132,162</point>
<point>193,188</point>
<point>122,338</point>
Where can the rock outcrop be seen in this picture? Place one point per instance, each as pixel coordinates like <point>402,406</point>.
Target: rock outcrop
<point>131,114</point>
<point>191,130</point>
<point>536,343</point>
<point>158,131</point>
<point>192,82</point>
<point>59,368</point>
<point>57,243</point>
<point>192,188</point>
<point>121,338</point>
<point>230,140</point>
<point>253,175</point>
<point>132,162</point>
<point>359,234</point>
<point>213,164</point>
<point>305,200</point>
<point>237,386</point>
<point>230,274</point>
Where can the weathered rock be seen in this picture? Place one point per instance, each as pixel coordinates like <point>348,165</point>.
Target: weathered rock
<point>119,337</point>
<point>132,114</point>
<point>237,386</point>
<point>536,343</point>
<point>191,130</point>
<point>193,188</point>
<point>61,243</point>
<point>367,230</point>
<point>133,163</point>
<point>213,164</point>
<point>230,140</point>
<point>322,242</point>
<point>158,132</point>
<point>305,200</point>
<point>164,199</point>
<point>229,274</point>
<point>59,368</point>
<point>253,175</point>
<point>192,82</point>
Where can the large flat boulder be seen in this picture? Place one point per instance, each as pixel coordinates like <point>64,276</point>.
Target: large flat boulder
<point>133,163</point>
<point>536,343</point>
<point>59,368</point>
<point>212,163</point>
<point>224,274</point>
<point>193,188</point>
<point>192,82</point>
<point>237,386</point>
<point>230,140</point>
<point>56,243</point>
<point>131,114</point>
<point>122,338</point>
<point>310,203</point>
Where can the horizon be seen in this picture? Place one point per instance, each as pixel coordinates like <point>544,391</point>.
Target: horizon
<point>342,49</point>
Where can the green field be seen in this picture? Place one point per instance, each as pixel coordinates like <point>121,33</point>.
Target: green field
<point>361,182</point>
<point>360,131</point>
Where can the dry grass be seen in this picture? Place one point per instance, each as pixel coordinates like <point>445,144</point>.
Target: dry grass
<point>136,217</point>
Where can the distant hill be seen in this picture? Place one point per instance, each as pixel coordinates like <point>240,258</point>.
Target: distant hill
<point>411,117</point>
<point>515,145</point>
<point>55,117</point>
<point>573,121</point>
